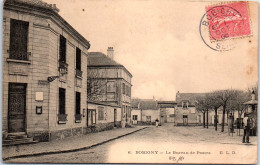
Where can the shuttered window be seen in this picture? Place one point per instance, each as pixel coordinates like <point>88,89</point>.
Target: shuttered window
<point>62,98</point>
<point>78,59</point>
<point>18,39</point>
<point>77,103</point>
<point>100,113</point>
<point>62,49</point>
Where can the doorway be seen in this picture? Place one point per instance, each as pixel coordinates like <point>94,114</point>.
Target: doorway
<point>16,107</point>
<point>185,120</point>
<point>115,117</point>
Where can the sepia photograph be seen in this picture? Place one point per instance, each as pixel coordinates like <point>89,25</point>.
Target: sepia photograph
<point>129,81</point>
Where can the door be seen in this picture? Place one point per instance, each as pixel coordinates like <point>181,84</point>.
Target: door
<point>16,107</point>
<point>185,120</point>
<point>115,117</point>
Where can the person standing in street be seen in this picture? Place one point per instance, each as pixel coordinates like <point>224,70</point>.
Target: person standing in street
<point>156,122</point>
<point>246,122</point>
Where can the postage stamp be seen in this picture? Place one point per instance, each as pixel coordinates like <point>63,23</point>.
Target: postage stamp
<point>223,22</point>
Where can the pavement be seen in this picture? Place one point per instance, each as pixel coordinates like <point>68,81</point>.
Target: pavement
<point>172,144</point>
<point>71,144</point>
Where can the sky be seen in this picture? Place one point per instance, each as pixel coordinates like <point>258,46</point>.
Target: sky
<point>160,44</point>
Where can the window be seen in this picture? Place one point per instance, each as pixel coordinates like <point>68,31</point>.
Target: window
<point>126,87</point>
<point>100,113</point>
<point>148,118</point>
<point>77,102</point>
<point>78,59</point>
<point>77,108</point>
<point>123,88</point>
<point>184,105</point>
<point>134,117</point>
<point>62,116</point>
<point>62,49</point>
<point>111,86</point>
<point>18,40</point>
<point>92,116</point>
<point>62,98</point>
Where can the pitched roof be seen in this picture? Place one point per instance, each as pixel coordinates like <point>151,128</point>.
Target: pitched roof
<point>100,59</point>
<point>190,97</point>
<point>144,104</point>
<point>167,104</point>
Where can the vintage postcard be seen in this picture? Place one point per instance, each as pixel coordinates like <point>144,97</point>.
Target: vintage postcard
<point>129,81</point>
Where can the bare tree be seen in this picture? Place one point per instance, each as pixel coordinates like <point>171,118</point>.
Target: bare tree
<point>214,103</point>
<point>224,96</point>
<point>202,105</point>
<point>96,86</point>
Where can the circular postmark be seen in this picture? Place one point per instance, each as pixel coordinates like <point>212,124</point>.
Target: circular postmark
<point>219,24</point>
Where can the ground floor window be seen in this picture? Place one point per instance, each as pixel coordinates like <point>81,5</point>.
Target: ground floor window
<point>92,116</point>
<point>134,117</point>
<point>62,100</point>
<point>100,113</point>
<point>62,116</point>
<point>148,118</point>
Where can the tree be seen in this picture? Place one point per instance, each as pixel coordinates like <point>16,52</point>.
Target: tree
<point>214,103</point>
<point>202,105</point>
<point>224,96</point>
<point>96,86</point>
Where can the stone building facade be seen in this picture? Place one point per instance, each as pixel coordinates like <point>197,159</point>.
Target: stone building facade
<point>186,112</point>
<point>109,82</point>
<point>167,111</point>
<point>144,111</point>
<point>44,81</point>
<point>103,116</point>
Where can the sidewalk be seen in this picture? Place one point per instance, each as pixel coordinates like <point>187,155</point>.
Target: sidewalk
<point>68,144</point>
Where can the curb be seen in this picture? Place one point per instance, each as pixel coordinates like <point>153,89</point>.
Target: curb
<point>71,150</point>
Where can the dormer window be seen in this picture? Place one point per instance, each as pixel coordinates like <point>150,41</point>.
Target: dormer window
<point>185,105</point>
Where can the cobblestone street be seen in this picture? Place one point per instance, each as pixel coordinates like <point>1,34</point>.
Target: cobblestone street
<point>164,144</point>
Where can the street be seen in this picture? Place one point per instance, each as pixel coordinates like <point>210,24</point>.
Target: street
<point>164,144</point>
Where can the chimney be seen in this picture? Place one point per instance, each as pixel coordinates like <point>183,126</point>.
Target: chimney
<point>110,52</point>
<point>253,95</point>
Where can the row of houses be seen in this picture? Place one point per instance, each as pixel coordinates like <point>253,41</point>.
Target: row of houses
<point>52,86</point>
<point>181,112</point>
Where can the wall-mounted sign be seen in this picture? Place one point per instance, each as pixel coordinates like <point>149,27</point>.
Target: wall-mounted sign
<point>38,110</point>
<point>39,96</point>
<point>43,82</point>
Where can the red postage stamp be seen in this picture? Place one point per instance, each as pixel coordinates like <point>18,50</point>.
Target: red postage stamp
<point>228,21</point>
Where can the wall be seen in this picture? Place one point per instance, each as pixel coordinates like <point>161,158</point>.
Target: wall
<point>68,81</point>
<point>155,114</point>
<point>35,70</point>
<point>192,114</point>
<point>43,43</point>
<point>108,119</point>
<point>136,112</point>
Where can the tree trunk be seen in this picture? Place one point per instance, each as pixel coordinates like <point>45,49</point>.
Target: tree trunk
<point>203,119</point>
<point>223,118</point>
<point>207,118</point>
<point>216,119</point>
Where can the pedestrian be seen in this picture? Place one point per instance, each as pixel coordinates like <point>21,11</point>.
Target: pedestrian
<point>246,122</point>
<point>156,122</point>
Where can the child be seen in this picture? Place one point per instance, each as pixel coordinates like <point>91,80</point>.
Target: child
<point>156,122</point>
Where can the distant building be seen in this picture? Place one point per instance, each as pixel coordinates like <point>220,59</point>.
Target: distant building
<point>144,111</point>
<point>186,112</point>
<point>44,83</point>
<point>167,111</point>
<point>109,83</point>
